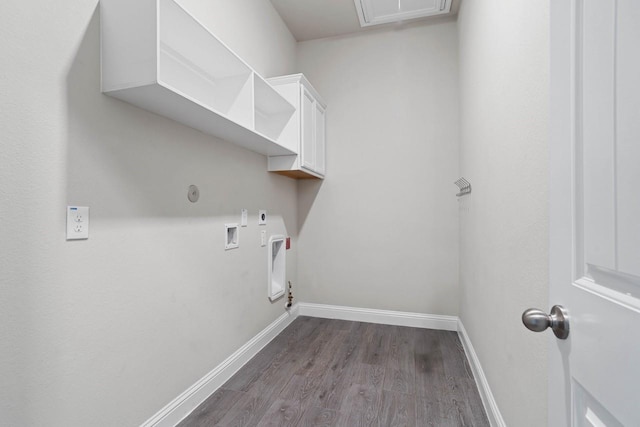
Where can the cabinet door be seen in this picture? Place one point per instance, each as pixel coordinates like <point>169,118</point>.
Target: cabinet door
<point>308,152</point>
<point>320,139</point>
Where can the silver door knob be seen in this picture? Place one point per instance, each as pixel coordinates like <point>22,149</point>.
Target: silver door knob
<point>537,321</point>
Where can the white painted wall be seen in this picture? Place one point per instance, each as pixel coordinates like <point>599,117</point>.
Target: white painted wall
<point>381,230</point>
<point>109,330</point>
<point>504,79</point>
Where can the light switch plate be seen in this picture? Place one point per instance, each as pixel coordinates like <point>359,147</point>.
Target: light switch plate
<point>77,222</point>
<point>262,217</point>
<point>243,218</point>
<point>263,238</point>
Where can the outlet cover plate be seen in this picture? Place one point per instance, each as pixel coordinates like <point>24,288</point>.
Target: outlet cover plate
<point>262,217</point>
<point>77,222</point>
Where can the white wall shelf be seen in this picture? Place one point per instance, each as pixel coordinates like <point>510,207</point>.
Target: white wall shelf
<point>304,132</point>
<point>157,56</point>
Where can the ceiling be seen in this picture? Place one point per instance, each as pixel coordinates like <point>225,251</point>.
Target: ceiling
<point>316,19</point>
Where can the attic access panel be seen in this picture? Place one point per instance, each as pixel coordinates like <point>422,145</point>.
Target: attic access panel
<point>375,12</point>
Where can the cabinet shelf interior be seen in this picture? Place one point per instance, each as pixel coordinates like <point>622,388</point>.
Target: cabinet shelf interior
<point>199,65</point>
<point>271,111</point>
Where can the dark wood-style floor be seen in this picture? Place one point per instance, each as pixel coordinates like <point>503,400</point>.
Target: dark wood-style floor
<point>321,372</point>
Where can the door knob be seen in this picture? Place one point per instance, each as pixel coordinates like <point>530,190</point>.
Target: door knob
<point>537,321</point>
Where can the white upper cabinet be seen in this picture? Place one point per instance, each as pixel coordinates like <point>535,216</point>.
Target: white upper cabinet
<point>157,56</point>
<point>305,131</point>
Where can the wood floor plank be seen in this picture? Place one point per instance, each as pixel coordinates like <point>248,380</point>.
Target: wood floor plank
<point>434,412</point>
<point>299,361</point>
<point>299,387</point>
<point>369,375</point>
<point>376,344</point>
<point>292,401</point>
<point>319,417</point>
<point>457,403</point>
<point>361,405</point>
<point>340,370</point>
<point>429,365</point>
<point>332,390</point>
<point>397,410</point>
<point>268,373</point>
<point>282,413</point>
<point>455,364</point>
<point>342,325</point>
<point>213,409</point>
<point>461,414</point>
<point>246,412</point>
<point>300,390</point>
<point>473,401</point>
<point>321,352</point>
<point>308,358</point>
<point>313,366</point>
<point>400,375</point>
<point>296,335</point>
<point>275,377</point>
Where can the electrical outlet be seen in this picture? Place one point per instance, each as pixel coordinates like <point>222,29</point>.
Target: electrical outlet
<point>77,222</point>
<point>262,217</point>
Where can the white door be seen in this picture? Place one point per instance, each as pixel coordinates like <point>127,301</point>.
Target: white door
<point>595,212</point>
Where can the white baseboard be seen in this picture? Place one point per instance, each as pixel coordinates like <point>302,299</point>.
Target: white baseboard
<point>191,398</point>
<point>385,317</point>
<point>489,402</point>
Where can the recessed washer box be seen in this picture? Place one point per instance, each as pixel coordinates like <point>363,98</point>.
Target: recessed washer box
<point>232,236</point>
<point>277,267</point>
